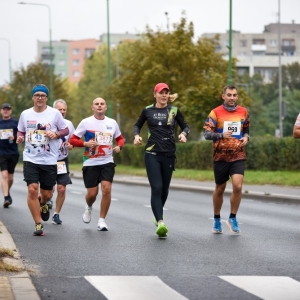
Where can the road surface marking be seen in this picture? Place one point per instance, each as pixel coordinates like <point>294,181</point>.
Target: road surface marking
<point>267,287</point>
<point>133,288</point>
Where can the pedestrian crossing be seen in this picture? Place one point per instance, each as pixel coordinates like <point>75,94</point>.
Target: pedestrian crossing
<point>149,287</point>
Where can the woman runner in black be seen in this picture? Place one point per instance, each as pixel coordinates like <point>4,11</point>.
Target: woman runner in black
<point>160,149</point>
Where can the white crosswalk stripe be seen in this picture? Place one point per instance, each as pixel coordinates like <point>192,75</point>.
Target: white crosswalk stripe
<point>267,287</point>
<point>148,287</point>
<point>133,288</point>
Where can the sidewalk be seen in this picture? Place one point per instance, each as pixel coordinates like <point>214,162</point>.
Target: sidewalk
<point>15,287</point>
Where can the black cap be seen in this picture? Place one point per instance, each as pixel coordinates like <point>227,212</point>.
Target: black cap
<point>5,105</point>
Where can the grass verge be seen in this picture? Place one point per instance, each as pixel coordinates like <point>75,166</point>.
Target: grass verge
<point>7,253</point>
<point>282,178</point>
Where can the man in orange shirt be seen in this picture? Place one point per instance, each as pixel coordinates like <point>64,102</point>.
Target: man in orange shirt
<point>228,127</point>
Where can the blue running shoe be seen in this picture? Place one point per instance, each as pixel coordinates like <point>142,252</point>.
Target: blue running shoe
<point>56,220</point>
<point>217,226</point>
<point>233,225</point>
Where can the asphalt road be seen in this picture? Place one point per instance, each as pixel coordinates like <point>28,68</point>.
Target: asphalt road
<point>75,261</point>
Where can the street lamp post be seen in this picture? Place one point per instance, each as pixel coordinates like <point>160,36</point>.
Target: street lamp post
<point>50,46</point>
<point>229,79</point>
<point>167,16</point>
<point>10,71</point>
<point>279,74</point>
<point>109,104</point>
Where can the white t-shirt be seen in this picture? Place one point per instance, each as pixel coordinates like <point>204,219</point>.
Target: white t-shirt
<point>63,151</point>
<point>103,131</point>
<point>298,120</point>
<point>38,148</point>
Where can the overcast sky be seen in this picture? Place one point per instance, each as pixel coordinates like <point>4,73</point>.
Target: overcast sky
<point>23,25</point>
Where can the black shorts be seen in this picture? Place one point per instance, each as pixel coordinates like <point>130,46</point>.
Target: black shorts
<point>8,162</point>
<point>64,179</point>
<point>224,169</point>
<point>43,174</point>
<point>93,175</point>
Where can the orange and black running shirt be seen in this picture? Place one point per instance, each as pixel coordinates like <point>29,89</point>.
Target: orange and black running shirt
<point>161,127</point>
<point>221,120</point>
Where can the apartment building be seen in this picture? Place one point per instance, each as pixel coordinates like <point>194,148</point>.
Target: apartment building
<point>68,56</point>
<point>259,52</point>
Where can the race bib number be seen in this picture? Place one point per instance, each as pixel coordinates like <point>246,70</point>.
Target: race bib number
<point>37,137</point>
<point>61,167</point>
<point>235,127</point>
<point>5,133</point>
<point>103,138</point>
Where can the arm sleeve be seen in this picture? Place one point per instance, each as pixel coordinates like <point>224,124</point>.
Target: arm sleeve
<point>76,141</point>
<point>139,123</point>
<point>63,132</point>
<point>182,123</point>
<point>120,141</point>
<point>21,133</point>
<point>210,135</point>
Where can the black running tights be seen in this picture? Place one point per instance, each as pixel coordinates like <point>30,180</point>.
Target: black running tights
<point>159,171</point>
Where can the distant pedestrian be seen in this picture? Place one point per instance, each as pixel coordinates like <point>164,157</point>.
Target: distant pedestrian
<point>160,159</point>
<point>99,133</point>
<point>9,153</point>
<point>296,130</point>
<point>228,126</point>
<point>41,127</point>
<point>63,172</point>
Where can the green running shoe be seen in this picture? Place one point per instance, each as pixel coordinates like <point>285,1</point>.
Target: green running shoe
<point>161,230</point>
<point>155,222</point>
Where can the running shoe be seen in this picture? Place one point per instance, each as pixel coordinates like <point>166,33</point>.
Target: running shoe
<point>56,220</point>
<point>233,225</point>
<point>50,204</point>
<point>102,226</point>
<point>161,230</point>
<point>39,229</point>
<point>45,214</point>
<point>217,226</point>
<point>7,201</point>
<point>86,217</point>
<point>155,222</point>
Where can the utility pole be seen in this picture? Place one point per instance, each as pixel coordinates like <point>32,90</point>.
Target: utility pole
<point>279,74</point>
<point>10,71</point>
<point>109,104</point>
<point>229,80</point>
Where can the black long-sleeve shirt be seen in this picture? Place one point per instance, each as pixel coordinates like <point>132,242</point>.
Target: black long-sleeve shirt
<point>161,127</point>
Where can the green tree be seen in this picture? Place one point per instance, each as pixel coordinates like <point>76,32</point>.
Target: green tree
<point>290,77</point>
<point>23,81</point>
<point>94,84</point>
<point>192,69</point>
<point>261,95</point>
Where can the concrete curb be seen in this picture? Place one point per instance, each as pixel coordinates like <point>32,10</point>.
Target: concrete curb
<point>19,285</point>
<point>192,187</point>
<point>261,196</point>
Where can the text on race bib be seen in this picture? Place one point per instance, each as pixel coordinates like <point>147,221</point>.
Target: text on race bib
<point>235,127</point>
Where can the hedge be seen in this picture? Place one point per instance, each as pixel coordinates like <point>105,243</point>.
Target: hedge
<point>263,153</point>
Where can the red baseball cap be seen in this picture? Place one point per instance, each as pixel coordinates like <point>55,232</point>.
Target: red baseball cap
<point>160,86</point>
